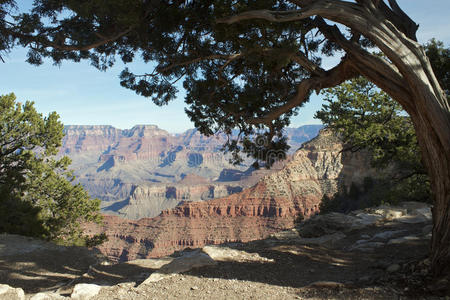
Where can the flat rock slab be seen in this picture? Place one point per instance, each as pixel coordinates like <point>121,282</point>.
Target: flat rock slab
<point>12,244</point>
<point>9,293</point>
<point>188,261</point>
<point>220,253</point>
<point>85,291</point>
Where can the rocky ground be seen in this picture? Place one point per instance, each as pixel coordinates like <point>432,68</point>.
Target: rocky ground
<point>378,253</point>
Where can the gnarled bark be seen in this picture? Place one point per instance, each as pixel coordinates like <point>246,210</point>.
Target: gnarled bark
<point>406,75</point>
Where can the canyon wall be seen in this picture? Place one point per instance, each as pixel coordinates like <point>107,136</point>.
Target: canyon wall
<point>273,204</point>
<point>130,170</point>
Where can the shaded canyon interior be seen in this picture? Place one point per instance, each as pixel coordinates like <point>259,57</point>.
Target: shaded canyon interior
<point>274,203</point>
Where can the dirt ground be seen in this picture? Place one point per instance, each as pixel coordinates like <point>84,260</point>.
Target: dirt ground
<point>296,272</point>
<point>287,268</point>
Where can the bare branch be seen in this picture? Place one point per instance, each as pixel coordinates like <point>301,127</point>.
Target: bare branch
<point>384,74</point>
<point>60,46</point>
<point>198,59</point>
<point>96,44</point>
<point>410,26</point>
<point>308,65</point>
<point>335,10</point>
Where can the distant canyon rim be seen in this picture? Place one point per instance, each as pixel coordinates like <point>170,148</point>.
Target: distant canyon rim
<point>142,171</point>
<point>191,209</point>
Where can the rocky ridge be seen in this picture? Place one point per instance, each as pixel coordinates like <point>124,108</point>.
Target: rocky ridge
<point>111,163</point>
<point>320,258</point>
<point>273,204</point>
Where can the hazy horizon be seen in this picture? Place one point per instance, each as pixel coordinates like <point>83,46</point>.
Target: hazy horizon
<point>159,127</point>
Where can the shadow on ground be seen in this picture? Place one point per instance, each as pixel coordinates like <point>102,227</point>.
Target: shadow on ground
<point>296,265</point>
<point>285,263</point>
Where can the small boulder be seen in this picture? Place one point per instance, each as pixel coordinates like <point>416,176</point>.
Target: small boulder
<point>10,293</point>
<point>184,263</point>
<point>85,291</point>
<point>390,212</point>
<point>46,296</point>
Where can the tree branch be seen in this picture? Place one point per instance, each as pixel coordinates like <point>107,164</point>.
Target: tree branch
<point>330,9</point>
<point>96,44</point>
<point>384,74</point>
<point>335,76</point>
<point>65,47</point>
<point>229,58</point>
<point>409,25</point>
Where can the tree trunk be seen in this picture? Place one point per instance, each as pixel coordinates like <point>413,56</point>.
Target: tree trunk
<point>436,157</point>
<point>429,109</point>
<point>431,118</point>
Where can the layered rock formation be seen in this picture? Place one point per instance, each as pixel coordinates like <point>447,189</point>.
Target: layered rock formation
<point>271,205</point>
<point>327,256</point>
<point>300,135</point>
<point>89,138</point>
<point>129,170</point>
<point>150,200</point>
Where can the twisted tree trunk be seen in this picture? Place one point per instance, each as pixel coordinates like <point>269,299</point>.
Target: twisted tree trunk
<point>431,118</point>
<point>405,74</point>
<point>420,94</point>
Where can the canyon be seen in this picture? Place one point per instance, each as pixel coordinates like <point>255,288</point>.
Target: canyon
<point>276,202</point>
<point>141,171</point>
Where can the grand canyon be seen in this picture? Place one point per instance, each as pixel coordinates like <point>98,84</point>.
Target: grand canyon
<point>143,170</point>
<point>154,207</point>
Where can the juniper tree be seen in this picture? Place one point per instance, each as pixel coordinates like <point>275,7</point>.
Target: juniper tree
<point>37,194</point>
<point>251,64</point>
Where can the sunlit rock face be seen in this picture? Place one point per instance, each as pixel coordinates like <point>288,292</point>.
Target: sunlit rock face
<point>127,169</point>
<point>271,205</point>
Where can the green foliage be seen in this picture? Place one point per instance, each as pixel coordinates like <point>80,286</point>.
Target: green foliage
<point>376,191</point>
<point>439,57</point>
<point>6,40</point>
<point>234,74</point>
<point>37,194</point>
<point>367,118</point>
<point>183,39</point>
<point>344,201</point>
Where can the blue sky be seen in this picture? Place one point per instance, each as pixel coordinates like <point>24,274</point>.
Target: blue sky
<point>83,95</point>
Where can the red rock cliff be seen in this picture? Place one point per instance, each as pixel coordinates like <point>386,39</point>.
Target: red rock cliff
<point>269,206</point>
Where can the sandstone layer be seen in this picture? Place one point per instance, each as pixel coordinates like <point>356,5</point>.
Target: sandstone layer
<point>273,204</point>
<point>141,171</point>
